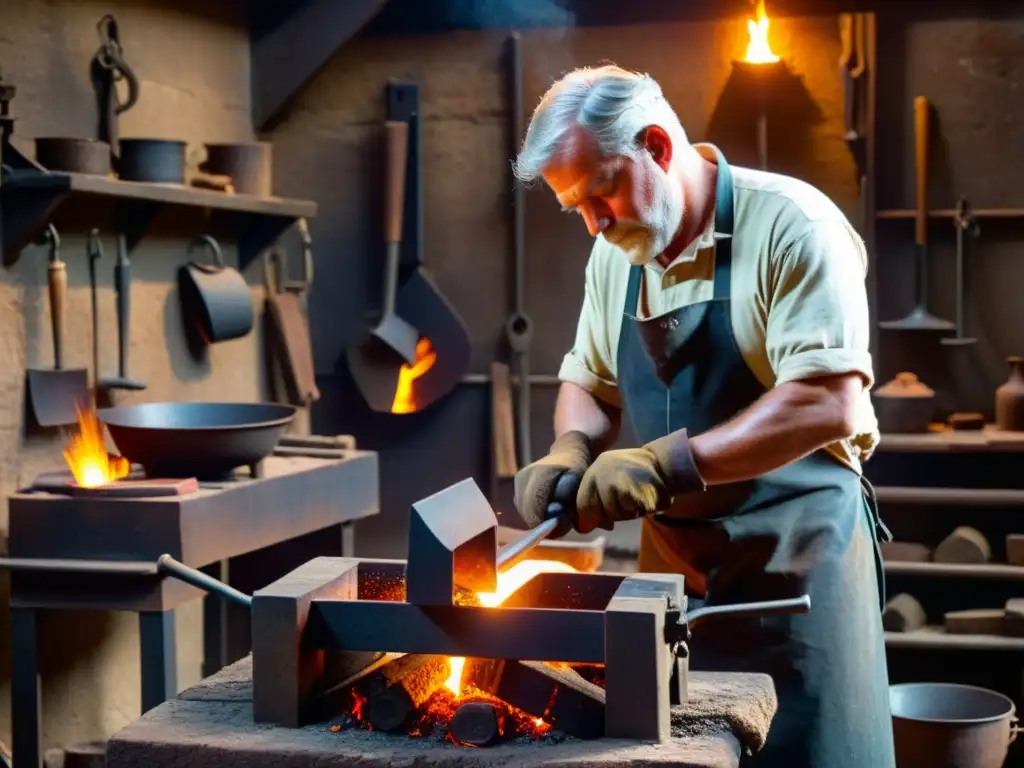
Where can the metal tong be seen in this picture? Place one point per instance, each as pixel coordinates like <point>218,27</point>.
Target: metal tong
<point>559,512</point>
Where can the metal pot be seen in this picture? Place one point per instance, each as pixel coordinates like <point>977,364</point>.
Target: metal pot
<point>248,166</point>
<point>215,298</point>
<point>73,155</point>
<point>158,161</point>
<point>904,405</point>
<point>944,725</point>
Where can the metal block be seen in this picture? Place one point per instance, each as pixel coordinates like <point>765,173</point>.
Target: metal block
<point>638,665</point>
<point>452,542</point>
<point>583,591</point>
<point>472,631</point>
<point>285,669</point>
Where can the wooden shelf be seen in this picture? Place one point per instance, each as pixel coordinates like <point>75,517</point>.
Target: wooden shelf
<point>949,213</point>
<point>935,638</point>
<point>30,200</point>
<point>950,497</point>
<point>994,571</point>
<point>988,439</point>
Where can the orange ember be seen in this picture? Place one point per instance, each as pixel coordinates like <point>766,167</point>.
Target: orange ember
<point>508,582</point>
<point>759,50</point>
<point>87,457</point>
<point>405,401</point>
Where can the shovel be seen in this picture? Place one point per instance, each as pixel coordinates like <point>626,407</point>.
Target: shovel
<point>56,393</point>
<point>919,318</point>
<point>375,363</point>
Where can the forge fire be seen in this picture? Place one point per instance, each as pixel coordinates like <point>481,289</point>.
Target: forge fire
<point>451,697</point>
<point>86,453</point>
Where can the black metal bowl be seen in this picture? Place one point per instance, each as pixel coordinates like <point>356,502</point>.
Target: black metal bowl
<point>202,440</point>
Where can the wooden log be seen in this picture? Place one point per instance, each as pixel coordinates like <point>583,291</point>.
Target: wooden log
<point>475,723</point>
<point>1015,548</point>
<point>979,621</point>
<point>903,614</point>
<point>1013,621</point>
<point>396,690</point>
<point>963,545</point>
<point>561,696</point>
<point>905,552</point>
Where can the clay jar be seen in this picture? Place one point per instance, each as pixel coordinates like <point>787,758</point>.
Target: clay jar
<point>905,405</point>
<point>1010,398</point>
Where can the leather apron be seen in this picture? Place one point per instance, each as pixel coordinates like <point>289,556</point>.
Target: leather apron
<point>811,526</point>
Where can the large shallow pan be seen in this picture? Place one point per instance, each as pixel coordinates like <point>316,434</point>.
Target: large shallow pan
<point>202,440</point>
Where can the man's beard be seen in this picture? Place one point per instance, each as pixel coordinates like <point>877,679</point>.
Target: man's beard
<point>645,240</point>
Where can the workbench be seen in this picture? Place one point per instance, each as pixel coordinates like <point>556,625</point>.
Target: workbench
<point>211,726</point>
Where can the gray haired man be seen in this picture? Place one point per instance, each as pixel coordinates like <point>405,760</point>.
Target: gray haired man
<point>725,313</point>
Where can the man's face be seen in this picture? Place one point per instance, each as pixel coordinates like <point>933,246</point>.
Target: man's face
<point>631,201</point>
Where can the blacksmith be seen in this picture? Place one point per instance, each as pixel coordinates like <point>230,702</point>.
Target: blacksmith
<point>725,313</point>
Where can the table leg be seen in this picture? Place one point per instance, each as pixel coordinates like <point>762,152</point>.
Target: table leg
<point>215,634</point>
<point>348,540</point>
<point>26,709</point>
<point>159,662</point>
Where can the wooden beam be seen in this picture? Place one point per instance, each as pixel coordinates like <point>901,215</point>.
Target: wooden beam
<point>286,52</point>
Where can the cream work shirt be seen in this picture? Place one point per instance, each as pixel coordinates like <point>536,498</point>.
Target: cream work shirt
<point>799,304</point>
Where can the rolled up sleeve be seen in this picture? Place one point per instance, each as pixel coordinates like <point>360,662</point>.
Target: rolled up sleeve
<point>590,363</point>
<point>818,322</point>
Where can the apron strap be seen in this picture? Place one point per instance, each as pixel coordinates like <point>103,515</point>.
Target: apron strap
<point>724,220</point>
<point>632,306</point>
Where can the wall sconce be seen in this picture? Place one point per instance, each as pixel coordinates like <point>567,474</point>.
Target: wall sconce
<point>760,73</point>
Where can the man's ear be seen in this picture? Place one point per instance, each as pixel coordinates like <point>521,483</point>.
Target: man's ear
<point>658,143</point>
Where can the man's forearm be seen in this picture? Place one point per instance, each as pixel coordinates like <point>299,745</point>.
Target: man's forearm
<point>577,409</point>
<point>784,425</point>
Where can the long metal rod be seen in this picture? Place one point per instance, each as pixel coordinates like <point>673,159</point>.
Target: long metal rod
<point>789,605</point>
<point>560,509</point>
<point>199,579</point>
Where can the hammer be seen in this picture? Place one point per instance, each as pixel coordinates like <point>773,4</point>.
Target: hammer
<point>560,510</point>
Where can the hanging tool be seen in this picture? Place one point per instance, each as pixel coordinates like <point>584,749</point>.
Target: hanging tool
<point>94,249</point>
<point>852,66</point>
<point>376,360</point>
<point>289,331</point>
<point>920,319</point>
<point>519,325</point>
<point>123,286</point>
<point>966,224</point>
<point>560,512</point>
<point>108,68</point>
<point>56,393</point>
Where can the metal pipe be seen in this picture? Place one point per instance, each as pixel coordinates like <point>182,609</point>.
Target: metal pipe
<point>789,605</point>
<point>559,511</point>
<point>59,565</point>
<point>951,497</point>
<point>172,567</point>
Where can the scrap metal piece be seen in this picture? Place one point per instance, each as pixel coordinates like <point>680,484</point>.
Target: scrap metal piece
<point>286,670</point>
<point>452,543</point>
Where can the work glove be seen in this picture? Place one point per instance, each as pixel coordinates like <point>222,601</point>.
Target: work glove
<point>633,482</point>
<point>535,483</point>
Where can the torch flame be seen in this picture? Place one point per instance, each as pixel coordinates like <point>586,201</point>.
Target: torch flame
<point>508,582</point>
<point>759,50</point>
<point>87,457</point>
<point>405,401</point>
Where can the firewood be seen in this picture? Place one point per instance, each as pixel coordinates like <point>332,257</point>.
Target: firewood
<point>1015,548</point>
<point>964,545</point>
<point>476,723</point>
<point>903,614</point>
<point>561,696</point>
<point>1013,621</point>
<point>980,621</point>
<point>395,690</point>
<point>905,552</point>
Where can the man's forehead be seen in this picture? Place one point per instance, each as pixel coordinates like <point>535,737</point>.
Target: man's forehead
<point>578,166</point>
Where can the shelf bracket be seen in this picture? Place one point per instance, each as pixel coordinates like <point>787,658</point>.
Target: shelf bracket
<point>257,233</point>
<point>25,221</point>
<point>134,218</point>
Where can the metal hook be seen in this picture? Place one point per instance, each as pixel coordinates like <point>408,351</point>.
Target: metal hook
<point>965,219</point>
<point>53,238</point>
<point>93,246</point>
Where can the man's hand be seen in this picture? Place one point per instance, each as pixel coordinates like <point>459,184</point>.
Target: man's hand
<point>535,483</point>
<point>620,485</point>
<point>634,482</point>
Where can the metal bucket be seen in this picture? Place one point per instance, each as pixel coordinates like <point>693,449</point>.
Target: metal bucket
<point>944,725</point>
